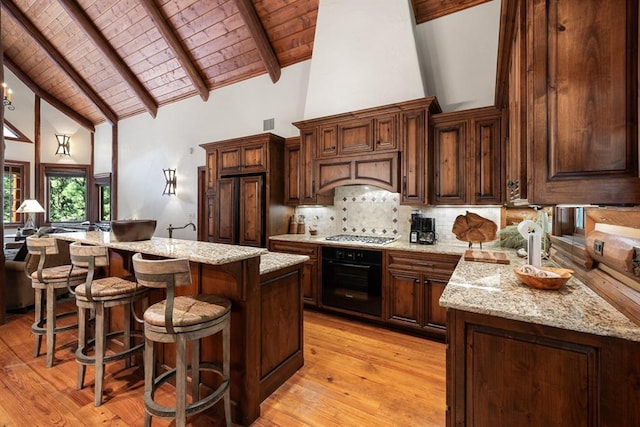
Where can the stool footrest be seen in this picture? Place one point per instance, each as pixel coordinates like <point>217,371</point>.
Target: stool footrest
<point>38,328</point>
<point>198,406</point>
<point>83,358</point>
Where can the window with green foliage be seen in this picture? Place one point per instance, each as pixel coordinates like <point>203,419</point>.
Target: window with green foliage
<point>16,185</point>
<point>103,186</point>
<point>66,195</point>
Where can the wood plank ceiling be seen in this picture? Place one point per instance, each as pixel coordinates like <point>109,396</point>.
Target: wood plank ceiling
<point>104,60</point>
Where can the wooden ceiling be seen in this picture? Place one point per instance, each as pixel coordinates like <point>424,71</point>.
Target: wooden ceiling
<point>104,60</point>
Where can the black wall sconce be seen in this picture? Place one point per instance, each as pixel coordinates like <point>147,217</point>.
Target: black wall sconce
<point>63,145</point>
<point>170,185</point>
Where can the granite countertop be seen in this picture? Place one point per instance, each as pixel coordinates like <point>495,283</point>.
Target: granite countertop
<point>273,261</point>
<point>493,289</point>
<point>400,244</point>
<point>202,252</point>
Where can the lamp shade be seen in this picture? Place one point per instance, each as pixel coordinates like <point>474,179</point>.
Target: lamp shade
<point>30,206</point>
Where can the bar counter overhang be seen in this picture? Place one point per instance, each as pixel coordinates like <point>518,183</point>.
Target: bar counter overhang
<point>259,363</point>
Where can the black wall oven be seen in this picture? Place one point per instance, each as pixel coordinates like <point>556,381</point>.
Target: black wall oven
<point>352,279</point>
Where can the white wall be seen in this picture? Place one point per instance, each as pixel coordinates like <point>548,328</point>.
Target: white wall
<point>172,139</point>
<point>458,56</point>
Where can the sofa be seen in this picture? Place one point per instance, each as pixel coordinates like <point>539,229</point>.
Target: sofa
<point>19,294</point>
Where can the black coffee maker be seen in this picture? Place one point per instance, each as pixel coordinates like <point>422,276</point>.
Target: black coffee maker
<point>423,229</point>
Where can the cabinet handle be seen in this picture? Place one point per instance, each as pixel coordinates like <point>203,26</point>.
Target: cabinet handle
<point>404,184</point>
<point>313,188</point>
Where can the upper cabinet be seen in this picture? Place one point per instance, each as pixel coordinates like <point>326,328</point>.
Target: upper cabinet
<point>383,146</point>
<point>574,64</point>
<point>467,157</point>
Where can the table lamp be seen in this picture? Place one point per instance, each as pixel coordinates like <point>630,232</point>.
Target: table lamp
<point>30,207</point>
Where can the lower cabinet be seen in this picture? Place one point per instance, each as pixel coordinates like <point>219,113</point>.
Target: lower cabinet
<point>502,372</point>
<point>415,282</point>
<point>310,270</point>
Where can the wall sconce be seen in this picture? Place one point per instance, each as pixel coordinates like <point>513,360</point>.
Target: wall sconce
<point>170,185</point>
<point>63,145</point>
<point>7,97</point>
<point>30,206</point>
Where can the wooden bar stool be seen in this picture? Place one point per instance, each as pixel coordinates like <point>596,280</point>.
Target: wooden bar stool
<point>46,280</point>
<point>180,320</point>
<point>98,295</point>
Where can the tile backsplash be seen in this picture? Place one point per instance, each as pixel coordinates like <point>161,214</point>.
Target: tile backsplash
<point>362,209</point>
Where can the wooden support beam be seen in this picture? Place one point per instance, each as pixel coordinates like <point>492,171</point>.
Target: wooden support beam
<point>55,55</point>
<point>80,17</point>
<point>177,48</point>
<point>253,23</point>
<point>38,91</point>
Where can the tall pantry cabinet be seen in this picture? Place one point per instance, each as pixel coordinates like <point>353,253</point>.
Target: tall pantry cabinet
<point>245,190</point>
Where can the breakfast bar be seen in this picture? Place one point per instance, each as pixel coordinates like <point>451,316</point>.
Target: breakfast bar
<point>266,320</point>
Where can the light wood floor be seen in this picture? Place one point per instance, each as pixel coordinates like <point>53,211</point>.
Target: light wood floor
<point>354,375</point>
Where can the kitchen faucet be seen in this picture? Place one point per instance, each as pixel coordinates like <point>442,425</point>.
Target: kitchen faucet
<point>171,228</point>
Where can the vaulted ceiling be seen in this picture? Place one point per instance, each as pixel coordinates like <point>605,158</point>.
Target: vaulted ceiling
<point>104,60</point>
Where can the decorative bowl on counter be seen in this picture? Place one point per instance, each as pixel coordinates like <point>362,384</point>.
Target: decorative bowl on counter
<point>132,230</point>
<point>543,277</point>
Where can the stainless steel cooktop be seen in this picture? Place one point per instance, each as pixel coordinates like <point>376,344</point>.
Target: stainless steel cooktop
<point>354,238</point>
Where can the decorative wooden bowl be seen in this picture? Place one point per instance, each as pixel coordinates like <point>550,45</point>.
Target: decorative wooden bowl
<point>545,282</point>
<point>132,230</point>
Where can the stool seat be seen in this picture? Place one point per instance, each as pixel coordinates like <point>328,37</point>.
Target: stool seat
<point>59,273</point>
<point>108,288</point>
<point>188,311</point>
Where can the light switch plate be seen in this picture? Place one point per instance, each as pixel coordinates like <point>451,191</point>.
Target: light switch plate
<point>598,247</point>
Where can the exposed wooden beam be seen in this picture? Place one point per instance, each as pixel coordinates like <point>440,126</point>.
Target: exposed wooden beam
<point>253,23</point>
<point>80,17</point>
<point>61,106</point>
<point>178,49</point>
<point>55,55</point>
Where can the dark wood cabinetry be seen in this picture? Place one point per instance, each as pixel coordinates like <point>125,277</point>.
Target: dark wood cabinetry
<point>505,373</point>
<point>310,270</point>
<point>467,157</point>
<point>384,146</point>
<point>415,282</point>
<point>246,200</point>
<point>574,64</point>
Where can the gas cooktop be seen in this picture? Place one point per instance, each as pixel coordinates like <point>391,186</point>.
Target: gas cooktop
<point>353,238</point>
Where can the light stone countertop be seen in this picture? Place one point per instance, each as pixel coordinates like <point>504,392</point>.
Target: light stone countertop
<point>273,261</point>
<point>493,289</point>
<point>202,252</point>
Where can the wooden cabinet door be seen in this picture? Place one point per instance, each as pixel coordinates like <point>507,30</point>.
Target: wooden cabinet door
<point>252,212</point>
<point>386,133</point>
<point>404,298</point>
<point>434,315</point>
<point>310,271</point>
<point>413,137</point>
<point>486,147</point>
<point>327,141</point>
<point>583,107</point>
<point>211,215</point>
<point>225,217</point>
<point>229,160</point>
<point>254,158</point>
<point>355,137</point>
<point>292,172</point>
<point>449,165</point>
<point>211,171</point>
<point>307,146</point>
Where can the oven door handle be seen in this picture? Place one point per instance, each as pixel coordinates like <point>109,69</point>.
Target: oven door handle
<point>346,264</point>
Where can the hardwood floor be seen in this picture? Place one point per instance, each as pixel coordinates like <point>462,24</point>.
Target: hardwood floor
<point>354,375</point>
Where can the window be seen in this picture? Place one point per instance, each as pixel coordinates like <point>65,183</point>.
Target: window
<point>103,186</point>
<point>16,185</point>
<point>66,194</point>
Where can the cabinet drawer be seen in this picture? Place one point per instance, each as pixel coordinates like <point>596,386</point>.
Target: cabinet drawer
<point>293,248</point>
<point>436,265</point>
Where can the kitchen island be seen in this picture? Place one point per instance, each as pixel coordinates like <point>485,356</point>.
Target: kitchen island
<point>527,357</point>
<point>266,319</point>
